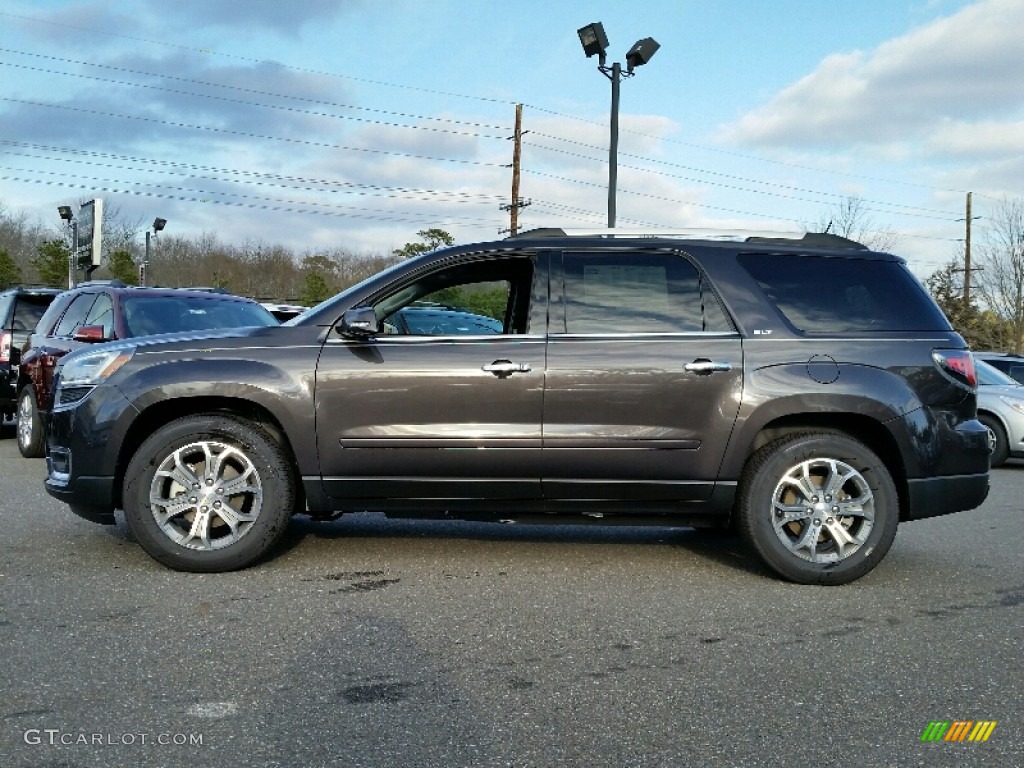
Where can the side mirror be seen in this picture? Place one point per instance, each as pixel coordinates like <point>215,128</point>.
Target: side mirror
<point>360,323</point>
<point>89,333</point>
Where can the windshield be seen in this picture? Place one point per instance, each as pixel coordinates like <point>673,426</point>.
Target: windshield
<point>145,316</point>
<point>989,376</point>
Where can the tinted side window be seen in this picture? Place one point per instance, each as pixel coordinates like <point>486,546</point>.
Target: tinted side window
<point>637,293</point>
<point>75,315</point>
<point>831,294</point>
<point>28,310</point>
<point>5,309</point>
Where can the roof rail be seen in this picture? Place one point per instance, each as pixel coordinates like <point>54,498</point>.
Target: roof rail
<point>110,283</point>
<point>818,239</point>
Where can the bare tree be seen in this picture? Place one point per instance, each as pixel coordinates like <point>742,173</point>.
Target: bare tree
<point>851,218</point>
<point>1000,277</point>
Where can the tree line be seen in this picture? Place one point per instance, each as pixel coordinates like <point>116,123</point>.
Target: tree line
<point>34,254</point>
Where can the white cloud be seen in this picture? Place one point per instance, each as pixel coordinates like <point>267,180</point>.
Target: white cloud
<point>967,63</point>
<point>979,139</point>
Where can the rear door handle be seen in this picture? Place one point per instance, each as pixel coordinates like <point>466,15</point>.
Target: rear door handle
<point>704,367</point>
<point>503,368</point>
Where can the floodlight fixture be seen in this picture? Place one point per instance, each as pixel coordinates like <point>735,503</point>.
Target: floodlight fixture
<point>159,224</point>
<point>593,39</point>
<point>65,212</point>
<point>641,53</point>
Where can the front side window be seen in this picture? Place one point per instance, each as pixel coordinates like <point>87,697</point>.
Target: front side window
<point>486,297</point>
<point>637,292</point>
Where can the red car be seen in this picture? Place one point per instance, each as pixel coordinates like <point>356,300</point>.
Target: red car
<point>104,311</point>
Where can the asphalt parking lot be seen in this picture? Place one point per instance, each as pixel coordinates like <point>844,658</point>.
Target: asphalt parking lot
<point>373,642</point>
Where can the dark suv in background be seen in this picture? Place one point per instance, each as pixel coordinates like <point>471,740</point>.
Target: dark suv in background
<point>102,311</point>
<point>20,310</point>
<point>807,391</point>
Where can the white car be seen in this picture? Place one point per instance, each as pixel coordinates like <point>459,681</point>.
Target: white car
<point>1001,410</point>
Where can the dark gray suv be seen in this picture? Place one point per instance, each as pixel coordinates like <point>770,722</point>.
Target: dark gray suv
<point>806,391</point>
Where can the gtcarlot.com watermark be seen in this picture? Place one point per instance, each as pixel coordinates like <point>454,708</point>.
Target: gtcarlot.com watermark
<point>56,737</point>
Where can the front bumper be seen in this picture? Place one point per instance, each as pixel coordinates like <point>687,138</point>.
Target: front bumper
<point>84,441</point>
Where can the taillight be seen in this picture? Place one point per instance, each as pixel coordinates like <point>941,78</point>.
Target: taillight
<point>957,364</point>
<point>5,347</point>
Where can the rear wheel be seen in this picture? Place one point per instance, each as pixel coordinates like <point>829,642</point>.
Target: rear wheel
<point>996,439</point>
<point>208,493</point>
<point>818,508</point>
<point>31,440</point>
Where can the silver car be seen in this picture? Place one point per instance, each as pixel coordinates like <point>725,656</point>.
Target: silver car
<point>1001,410</point>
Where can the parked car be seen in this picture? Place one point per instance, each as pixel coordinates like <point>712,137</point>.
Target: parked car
<point>20,310</point>
<point>1010,364</point>
<point>807,391</point>
<point>105,311</point>
<point>1001,410</point>
<point>284,312</point>
<point>438,320</point>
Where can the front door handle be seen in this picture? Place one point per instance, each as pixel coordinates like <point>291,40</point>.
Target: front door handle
<point>503,368</point>
<point>704,367</point>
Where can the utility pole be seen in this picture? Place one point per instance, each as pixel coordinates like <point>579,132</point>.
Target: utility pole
<point>517,151</point>
<point>967,251</point>
<point>967,255</point>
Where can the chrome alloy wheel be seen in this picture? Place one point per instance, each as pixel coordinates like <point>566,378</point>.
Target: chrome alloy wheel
<point>25,419</point>
<point>823,510</point>
<point>206,495</point>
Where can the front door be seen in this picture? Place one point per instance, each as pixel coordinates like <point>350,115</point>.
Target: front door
<point>445,403</point>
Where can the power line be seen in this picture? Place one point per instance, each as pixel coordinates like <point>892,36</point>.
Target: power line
<point>209,52</point>
<point>288,206</point>
<point>211,84</point>
<point>228,131</point>
<point>187,169</point>
<point>756,158</point>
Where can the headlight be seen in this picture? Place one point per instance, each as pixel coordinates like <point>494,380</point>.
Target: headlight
<point>92,368</point>
<point>1017,405</point>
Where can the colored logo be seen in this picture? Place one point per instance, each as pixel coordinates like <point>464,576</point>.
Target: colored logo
<point>958,730</point>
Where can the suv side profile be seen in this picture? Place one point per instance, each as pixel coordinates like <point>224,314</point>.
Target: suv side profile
<point>20,310</point>
<point>806,391</point>
<point>100,311</point>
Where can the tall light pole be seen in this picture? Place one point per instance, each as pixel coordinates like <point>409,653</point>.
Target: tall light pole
<point>158,225</point>
<point>72,224</point>
<point>594,40</point>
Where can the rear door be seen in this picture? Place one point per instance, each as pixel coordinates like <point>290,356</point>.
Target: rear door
<point>643,383</point>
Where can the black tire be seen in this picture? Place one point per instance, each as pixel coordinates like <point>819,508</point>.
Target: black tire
<point>31,436</point>
<point>248,461</point>
<point>789,547</point>
<point>997,438</point>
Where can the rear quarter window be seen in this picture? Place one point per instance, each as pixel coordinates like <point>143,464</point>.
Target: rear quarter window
<point>28,311</point>
<point>837,294</point>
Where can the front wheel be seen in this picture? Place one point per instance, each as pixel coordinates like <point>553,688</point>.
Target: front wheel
<point>31,440</point>
<point>818,508</point>
<point>208,493</point>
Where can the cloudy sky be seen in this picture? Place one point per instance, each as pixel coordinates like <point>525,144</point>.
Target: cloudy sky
<point>355,123</point>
